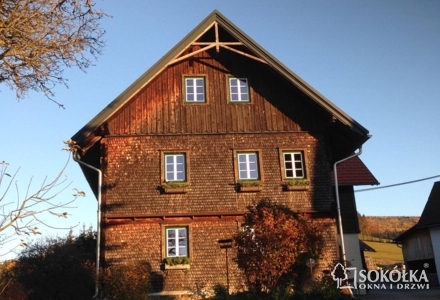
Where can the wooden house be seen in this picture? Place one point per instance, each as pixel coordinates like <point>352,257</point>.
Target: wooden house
<point>421,243</point>
<point>217,124</point>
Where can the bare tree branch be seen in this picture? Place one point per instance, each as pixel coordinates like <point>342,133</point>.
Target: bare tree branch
<point>23,215</point>
<point>39,38</point>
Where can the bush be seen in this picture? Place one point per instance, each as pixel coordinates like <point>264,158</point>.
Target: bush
<point>128,281</point>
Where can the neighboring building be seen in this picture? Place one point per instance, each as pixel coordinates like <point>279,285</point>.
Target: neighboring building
<point>421,243</point>
<point>353,172</point>
<point>214,112</point>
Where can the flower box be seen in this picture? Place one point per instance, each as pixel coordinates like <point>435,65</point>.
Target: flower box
<point>250,188</point>
<point>297,187</point>
<point>177,267</point>
<point>175,190</point>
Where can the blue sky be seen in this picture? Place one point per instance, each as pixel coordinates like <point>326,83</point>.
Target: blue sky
<point>376,60</point>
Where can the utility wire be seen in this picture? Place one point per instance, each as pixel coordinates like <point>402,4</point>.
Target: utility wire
<point>397,184</point>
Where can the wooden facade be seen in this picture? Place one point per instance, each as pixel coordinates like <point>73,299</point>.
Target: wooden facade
<point>128,141</point>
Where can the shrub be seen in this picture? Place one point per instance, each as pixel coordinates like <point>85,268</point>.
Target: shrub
<point>129,281</point>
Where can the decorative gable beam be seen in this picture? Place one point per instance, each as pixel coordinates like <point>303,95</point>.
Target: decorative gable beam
<point>209,45</point>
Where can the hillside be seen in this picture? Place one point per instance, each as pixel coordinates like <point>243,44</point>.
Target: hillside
<point>385,227</point>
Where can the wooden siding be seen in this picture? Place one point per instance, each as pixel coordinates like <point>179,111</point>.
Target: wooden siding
<point>418,246</point>
<point>159,108</point>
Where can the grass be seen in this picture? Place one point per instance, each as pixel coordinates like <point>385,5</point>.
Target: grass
<point>386,253</point>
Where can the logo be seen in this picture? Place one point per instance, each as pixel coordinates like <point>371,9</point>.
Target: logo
<point>379,279</point>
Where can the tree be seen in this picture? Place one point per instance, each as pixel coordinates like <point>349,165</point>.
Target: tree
<point>53,268</point>
<point>38,38</point>
<point>271,242</point>
<point>21,215</point>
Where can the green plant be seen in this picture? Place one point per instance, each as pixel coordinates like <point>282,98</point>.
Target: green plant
<point>248,183</point>
<point>174,185</point>
<point>178,260</point>
<point>297,182</point>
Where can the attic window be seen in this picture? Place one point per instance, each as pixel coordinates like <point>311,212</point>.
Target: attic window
<point>195,89</point>
<point>238,90</point>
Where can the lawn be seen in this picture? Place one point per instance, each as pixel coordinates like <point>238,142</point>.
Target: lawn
<point>386,253</point>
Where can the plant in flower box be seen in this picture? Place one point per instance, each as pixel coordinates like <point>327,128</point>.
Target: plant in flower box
<point>299,184</point>
<point>175,187</point>
<point>250,185</point>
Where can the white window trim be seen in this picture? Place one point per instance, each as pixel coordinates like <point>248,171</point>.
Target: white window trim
<point>175,163</point>
<point>293,169</point>
<point>194,79</point>
<point>248,169</point>
<point>239,92</point>
<point>177,247</point>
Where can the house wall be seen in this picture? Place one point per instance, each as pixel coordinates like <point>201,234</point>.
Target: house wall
<point>156,119</point>
<point>353,256</point>
<point>132,173</point>
<point>136,209</point>
<point>435,239</point>
<point>141,240</point>
<point>276,105</point>
<point>417,246</point>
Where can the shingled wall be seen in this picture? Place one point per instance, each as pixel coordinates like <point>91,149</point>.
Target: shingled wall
<point>133,173</point>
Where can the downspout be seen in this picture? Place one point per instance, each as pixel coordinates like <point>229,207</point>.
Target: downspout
<point>98,238</point>
<point>338,204</point>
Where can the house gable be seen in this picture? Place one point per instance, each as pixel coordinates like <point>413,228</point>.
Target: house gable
<point>216,37</point>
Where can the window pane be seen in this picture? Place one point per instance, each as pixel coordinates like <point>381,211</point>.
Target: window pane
<point>189,82</point>
<point>243,175</point>
<point>253,175</point>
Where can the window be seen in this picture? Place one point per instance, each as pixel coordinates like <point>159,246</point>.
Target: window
<point>176,241</point>
<point>195,89</point>
<point>175,167</point>
<point>248,166</point>
<point>293,163</point>
<point>238,90</point>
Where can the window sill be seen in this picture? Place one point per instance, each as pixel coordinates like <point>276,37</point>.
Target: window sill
<point>175,190</point>
<point>296,187</point>
<point>177,267</point>
<point>251,189</point>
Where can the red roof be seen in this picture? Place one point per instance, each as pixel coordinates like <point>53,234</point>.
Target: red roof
<point>354,172</point>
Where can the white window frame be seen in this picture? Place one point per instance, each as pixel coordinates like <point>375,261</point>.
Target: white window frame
<point>177,238</point>
<point>175,172</point>
<point>239,93</point>
<point>195,93</point>
<point>294,169</point>
<point>247,165</point>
